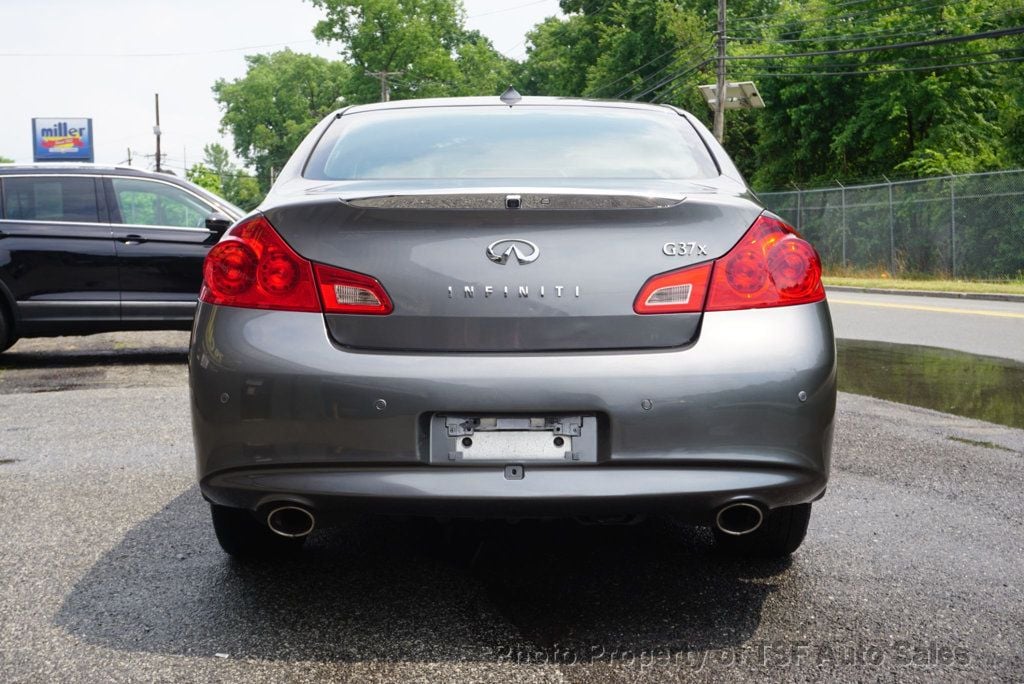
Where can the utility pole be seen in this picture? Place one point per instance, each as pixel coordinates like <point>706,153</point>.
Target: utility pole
<point>385,89</point>
<point>129,156</point>
<point>156,132</point>
<point>720,94</point>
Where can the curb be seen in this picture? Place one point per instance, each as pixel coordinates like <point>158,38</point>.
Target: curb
<point>989,296</point>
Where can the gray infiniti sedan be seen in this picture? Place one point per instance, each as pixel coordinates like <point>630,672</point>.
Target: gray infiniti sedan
<point>512,308</point>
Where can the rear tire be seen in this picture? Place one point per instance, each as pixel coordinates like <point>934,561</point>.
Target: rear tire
<point>241,535</point>
<point>7,337</point>
<point>781,533</point>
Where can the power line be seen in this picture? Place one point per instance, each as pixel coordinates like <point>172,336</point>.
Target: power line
<point>877,12</point>
<point>894,62</point>
<point>506,9</point>
<point>385,88</point>
<point>696,52</point>
<point>151,54</point>
<point>930,67</point>
<point>998,33</point>
<point>769,15</point>
<point>759,34</point>
<point>674,77</point>
<point>838,38</point>
<point>630,73</point>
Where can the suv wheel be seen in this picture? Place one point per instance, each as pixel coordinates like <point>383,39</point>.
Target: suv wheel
<point>241,535</point>
<point>780,534</point>
<point>7,337</point>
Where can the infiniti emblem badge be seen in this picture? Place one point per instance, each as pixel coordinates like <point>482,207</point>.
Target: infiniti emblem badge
<point>500,251</point>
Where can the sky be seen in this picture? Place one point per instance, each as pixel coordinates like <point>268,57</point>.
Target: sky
<point>70,58</point>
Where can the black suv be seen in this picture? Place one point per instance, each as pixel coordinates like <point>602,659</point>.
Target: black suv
<point>87,248</point>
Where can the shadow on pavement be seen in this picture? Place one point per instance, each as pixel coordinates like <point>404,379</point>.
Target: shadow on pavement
<point>73,359</point>
<point>411,590</point>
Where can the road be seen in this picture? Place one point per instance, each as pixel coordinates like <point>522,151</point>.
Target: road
<point>989,328</point>
<point>109,569</point>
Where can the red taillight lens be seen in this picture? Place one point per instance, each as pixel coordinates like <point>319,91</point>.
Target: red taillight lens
<point>680,291</point>
<point>770,266</point>
<point>254,267</point>
<point>344,291</point>
<point>232,269</point>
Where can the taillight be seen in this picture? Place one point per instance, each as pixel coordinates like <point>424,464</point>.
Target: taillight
<point>253,267</point>
<point>771,265</point>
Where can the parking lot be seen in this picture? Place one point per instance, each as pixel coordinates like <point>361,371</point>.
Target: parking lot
<point>109,570</point>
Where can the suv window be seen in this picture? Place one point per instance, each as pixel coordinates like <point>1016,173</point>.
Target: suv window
<point>149,203</point>
<point>50,198</point>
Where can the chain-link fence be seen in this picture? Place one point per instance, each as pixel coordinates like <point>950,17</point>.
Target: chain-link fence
<point>961,226</point>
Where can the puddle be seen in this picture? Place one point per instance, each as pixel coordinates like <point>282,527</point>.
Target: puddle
<point>982,387</point>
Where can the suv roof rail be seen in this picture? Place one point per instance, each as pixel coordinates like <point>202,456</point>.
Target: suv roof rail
<point>71,165</point>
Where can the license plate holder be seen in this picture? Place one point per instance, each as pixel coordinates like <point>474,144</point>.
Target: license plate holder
<point>478,439</point>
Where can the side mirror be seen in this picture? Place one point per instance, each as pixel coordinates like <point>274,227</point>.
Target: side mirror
<point>218,222</point>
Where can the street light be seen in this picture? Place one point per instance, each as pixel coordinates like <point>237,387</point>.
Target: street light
<point>741,95</point>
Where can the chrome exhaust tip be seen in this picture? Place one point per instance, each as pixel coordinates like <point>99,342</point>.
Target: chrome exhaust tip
<point>290,521</point>
<point>739,518</point>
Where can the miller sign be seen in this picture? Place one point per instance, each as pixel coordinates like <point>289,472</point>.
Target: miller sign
<point>63,139</point>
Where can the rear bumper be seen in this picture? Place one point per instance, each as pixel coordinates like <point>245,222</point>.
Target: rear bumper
<point>692,493</point>
<point>281,413</point>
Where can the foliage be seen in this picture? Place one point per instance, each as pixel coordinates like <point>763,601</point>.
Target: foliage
<point>283,95</point>
<point>240,188</point>
<point>5,160</point>
<point>423,43</point>
<point>896,114</point>
<point>271,109</point>
<point>821,122</point>
<point>852,115</point>
<point>206,178</point>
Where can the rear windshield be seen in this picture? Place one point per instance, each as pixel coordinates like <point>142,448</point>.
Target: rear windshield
<point>510,142</point>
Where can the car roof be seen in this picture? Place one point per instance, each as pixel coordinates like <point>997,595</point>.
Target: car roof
<point>82,167</point>
<point>494,101</point>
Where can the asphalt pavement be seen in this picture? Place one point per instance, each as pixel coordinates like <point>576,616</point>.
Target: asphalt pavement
<point>109,570</point>
<point>989,328</point>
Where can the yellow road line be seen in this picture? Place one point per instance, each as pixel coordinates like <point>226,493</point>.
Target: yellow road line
<point>933,309</point>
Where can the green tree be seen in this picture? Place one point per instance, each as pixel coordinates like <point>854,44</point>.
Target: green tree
<point>281,97</point>
<point>206,178</point>
<point>422,44</point>
<point>219,175</point>
<point>5,160</point>
<point>821,122</point>
<point>559,52</point>
<point>864,114</point>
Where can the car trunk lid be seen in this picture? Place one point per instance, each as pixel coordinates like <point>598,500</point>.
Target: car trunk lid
<point>467,273</point>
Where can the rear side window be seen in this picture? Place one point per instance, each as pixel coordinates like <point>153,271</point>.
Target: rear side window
<point>148,203</point>
<point>50,198</point>
<point>511,142</point>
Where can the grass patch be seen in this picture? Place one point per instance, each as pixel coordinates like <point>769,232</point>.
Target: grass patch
<point>1001,287</point>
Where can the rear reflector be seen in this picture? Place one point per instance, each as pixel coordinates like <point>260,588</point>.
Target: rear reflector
<point>344,291</point>
<point>253,267</point>
<point>680,291</point>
